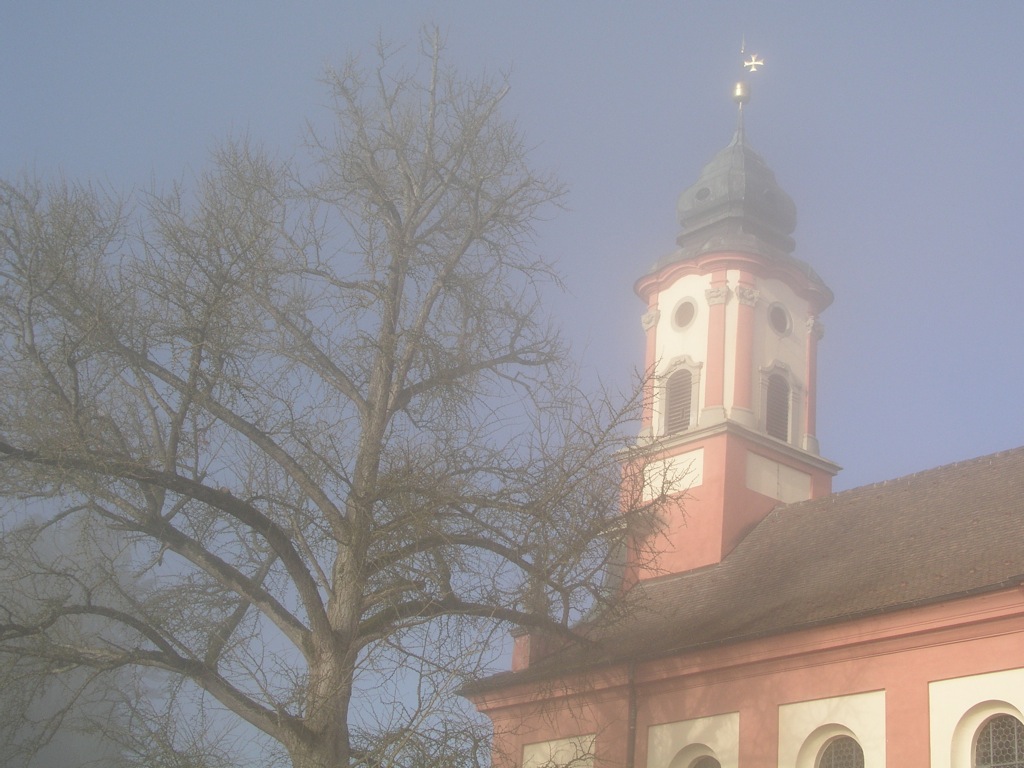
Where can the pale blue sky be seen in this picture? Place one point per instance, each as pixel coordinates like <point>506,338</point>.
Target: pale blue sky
<point>895,126</point>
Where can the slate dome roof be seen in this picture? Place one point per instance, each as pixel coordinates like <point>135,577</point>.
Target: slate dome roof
<point>737,194</point>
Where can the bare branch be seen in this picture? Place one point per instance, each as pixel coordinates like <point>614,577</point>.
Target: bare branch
<point>298,438</point>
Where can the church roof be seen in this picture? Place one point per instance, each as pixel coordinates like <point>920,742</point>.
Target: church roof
<point>936,535</point>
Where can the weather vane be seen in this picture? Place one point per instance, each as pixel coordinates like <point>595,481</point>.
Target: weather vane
<point>741,91</point>
<point>755,60</point>
<point>754,63</point>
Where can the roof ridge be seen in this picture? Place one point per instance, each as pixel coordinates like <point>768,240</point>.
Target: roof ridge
<point>904,478</point>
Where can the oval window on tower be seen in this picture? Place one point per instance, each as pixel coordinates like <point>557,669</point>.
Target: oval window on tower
<point>685,312</point>
<point>779,320</point>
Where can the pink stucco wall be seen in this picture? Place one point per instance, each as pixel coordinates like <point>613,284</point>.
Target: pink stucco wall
<point>899,653</point>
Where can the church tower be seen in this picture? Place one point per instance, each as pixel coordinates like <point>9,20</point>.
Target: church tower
<point>732,333</point>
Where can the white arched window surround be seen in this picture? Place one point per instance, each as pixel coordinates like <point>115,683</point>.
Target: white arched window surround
<point>796,394</point>
<point>965,735</point>
<point>573,752</point>
<point>684,743</point>
<point>681,363</point>
<point>959,707</point>
<point>806,727</point>
<point>816,742</point>
<point>690,756</point>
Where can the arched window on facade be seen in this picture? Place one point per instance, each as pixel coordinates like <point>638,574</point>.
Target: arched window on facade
<point>842,752</point>
<point>1000,743</point>
<point>776,422</point>
<point>678,401</point>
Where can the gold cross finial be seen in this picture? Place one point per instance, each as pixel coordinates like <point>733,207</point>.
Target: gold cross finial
<point>741,91</point>
<point>754,63</point>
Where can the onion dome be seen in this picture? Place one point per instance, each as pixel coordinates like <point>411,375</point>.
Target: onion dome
<point>736,200</point>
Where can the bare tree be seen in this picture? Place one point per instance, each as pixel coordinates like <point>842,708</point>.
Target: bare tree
<point>299,444</point>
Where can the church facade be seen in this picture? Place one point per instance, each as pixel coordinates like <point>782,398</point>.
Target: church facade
<point>777,623</point>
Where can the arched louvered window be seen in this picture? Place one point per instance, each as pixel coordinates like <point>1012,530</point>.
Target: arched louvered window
<point>776,421</point>
<point>842,752</point>
<point>1000,744</point>
<point>678,401</point>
